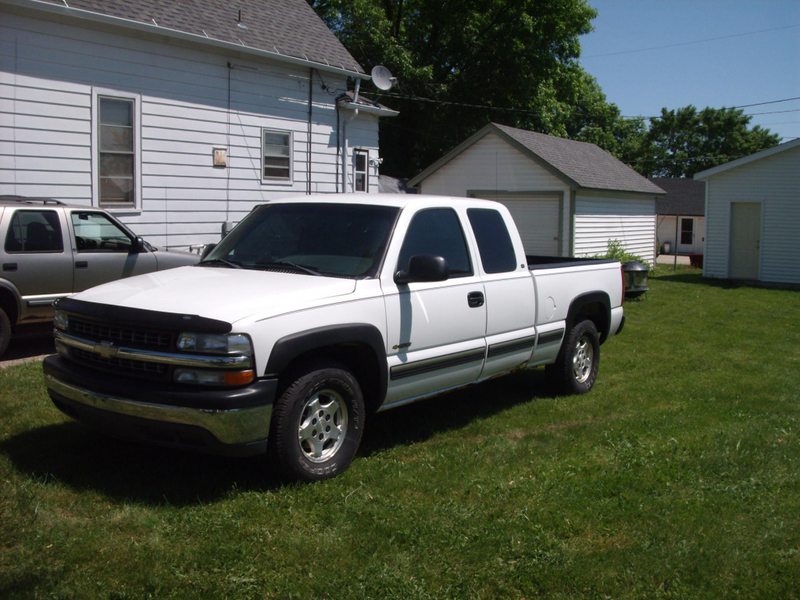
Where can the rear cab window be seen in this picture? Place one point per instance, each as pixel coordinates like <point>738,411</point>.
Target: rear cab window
<point>494,242</point>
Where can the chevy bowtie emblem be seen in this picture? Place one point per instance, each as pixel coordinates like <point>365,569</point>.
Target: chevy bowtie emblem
<point>106,349</point>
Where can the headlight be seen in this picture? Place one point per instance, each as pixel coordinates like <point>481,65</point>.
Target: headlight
<point>61,320</point>
<point>232,343</point>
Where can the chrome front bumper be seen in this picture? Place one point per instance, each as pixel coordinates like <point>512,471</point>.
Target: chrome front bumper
<point>230,427</point>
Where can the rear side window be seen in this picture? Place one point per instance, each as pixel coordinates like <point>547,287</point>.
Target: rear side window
<point>494,243</point>
<point>34,231</point>
<point>437,232</point>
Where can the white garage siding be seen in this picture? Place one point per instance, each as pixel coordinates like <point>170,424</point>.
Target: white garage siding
<point>49,72</point>
<point>599,219</point>
<point>773,182</point>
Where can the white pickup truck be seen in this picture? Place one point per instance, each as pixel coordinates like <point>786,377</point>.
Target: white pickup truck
<point>313,313</point>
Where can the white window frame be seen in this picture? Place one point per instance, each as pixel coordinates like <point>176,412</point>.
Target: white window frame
<point>97,94</point>
<point>365,153</point>
<point>278,180</point>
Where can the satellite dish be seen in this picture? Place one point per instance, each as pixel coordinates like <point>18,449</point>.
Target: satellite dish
<point>382,78</point>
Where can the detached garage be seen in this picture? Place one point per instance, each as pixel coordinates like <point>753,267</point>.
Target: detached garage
<point>753,217</point>
<point>568,198</point>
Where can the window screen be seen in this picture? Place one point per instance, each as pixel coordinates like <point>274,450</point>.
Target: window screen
<point>494,243</point>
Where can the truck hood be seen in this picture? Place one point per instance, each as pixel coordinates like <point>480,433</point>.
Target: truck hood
<point>219,293</point>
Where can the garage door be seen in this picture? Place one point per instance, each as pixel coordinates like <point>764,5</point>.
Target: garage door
<point>537,221</point>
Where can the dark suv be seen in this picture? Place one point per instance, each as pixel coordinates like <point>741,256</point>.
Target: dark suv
<point>50,250</point>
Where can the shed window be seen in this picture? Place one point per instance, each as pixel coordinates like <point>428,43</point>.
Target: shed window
<point>276,147</point>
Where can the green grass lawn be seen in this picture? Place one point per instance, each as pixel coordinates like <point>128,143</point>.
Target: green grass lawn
<point>676,477</point>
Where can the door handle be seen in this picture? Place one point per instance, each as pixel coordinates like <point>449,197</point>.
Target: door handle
<point>82,264</point>
<point>475,299</point>
<point>9,266</point>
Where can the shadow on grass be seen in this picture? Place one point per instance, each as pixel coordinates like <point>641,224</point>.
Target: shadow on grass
<point>84,459</point>
<point>422,420</point>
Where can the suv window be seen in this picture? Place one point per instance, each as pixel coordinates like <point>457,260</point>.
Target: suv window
<point>437,232</point>
<point>95,232</point>
<point>494,243</point>
<point>34,231</point>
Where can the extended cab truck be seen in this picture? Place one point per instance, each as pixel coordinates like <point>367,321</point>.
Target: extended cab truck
<point>313,313</point>
<point>49,250</point>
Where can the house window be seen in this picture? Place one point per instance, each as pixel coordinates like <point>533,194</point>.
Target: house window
<point>276,150</point>
<point>361,158</point>
<point>117,157</point>
<point>687,232</point>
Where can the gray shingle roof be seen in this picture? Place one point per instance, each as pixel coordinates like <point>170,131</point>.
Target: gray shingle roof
<point>588,165</point>
<point>287,27</point>
<point>684,197</point>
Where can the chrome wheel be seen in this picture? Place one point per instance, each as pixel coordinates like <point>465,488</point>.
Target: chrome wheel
<point>582,359</point>
<point>323,426</point>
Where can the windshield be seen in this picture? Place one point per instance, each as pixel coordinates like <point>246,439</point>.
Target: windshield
<point>339,240</point>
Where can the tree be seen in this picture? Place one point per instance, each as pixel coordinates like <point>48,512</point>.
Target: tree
<point>683,142</point>
<point>517,57</point>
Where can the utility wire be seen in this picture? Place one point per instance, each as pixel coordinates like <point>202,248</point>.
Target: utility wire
<point>724,37</point>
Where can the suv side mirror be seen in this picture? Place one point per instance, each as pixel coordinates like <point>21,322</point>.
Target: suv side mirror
<point>423,268</point>
<point>137,246</point>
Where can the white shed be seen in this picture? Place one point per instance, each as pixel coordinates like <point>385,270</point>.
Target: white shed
<point>568,198</point>
<point>179,116</point>
<point>753,217</point>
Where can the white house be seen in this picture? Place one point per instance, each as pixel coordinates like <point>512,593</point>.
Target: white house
<point>753,217</point>
<point>568,198</point>
<point>681,215</point>
<point>179,116</point>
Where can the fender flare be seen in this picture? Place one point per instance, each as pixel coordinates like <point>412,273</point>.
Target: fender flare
<point>292,346</point>
<point>586,299</point>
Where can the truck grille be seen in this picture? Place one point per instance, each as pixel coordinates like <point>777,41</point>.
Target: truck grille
<point>135,338</point>
<point>138,338</point>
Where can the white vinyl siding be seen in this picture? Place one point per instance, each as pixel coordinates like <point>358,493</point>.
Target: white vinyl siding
<point>189,102</point>
<point>600,219</point>
<point>774,182</point>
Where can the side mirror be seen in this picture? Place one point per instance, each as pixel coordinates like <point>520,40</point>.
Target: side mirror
<point>137,246</point>
<point>207,250</point>
<point>423,268</point>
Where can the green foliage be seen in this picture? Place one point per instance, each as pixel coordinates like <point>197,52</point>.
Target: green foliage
<point>616,250</point>
<point>468,55</point>
<point>683,142</point>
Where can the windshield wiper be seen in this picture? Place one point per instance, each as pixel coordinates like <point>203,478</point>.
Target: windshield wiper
<point>291,265</point>
<point>233,265</point>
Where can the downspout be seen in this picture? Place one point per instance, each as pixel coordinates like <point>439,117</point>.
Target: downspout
<point>344,135</point>
<point>310,113</point>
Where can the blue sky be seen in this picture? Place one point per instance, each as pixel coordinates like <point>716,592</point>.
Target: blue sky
<point>757,61</point>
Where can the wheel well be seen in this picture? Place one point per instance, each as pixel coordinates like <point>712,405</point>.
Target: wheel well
<point>358,358</point>
<point>9,304</point>
<point>594,307</point>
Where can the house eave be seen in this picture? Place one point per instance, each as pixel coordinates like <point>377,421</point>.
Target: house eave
<point>747,159</point>
<point>155,29</point>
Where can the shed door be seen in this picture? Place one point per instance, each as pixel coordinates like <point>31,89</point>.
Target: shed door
<point>745,240</point>
<point>537,220</point>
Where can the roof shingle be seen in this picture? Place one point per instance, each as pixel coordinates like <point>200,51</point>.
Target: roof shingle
<point>287,27</point>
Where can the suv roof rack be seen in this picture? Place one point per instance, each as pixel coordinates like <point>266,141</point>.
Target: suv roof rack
<point>7,199</point>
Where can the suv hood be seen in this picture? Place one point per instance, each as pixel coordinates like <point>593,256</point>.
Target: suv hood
<point>220,293</point>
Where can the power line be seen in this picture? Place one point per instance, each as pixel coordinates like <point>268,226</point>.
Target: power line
<point>724,37</point>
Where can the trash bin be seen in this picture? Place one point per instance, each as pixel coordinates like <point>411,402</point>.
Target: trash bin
<point>635,274</point>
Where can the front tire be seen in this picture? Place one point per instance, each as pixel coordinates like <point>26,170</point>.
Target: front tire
<point>5,331</point>
<point>317,423</point>
<point>576,366</point>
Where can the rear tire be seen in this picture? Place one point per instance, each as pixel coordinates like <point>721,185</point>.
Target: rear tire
<point>5,331</point>
<point>576,366</point>
<point>317,423</point>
